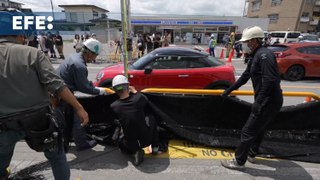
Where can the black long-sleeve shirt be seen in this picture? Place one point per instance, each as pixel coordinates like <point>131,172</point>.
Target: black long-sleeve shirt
<point>131,114</point>
<point>263,70</point>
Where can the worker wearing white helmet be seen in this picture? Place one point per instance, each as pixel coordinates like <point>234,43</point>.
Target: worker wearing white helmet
<point>138,125</point>
<point>263,70</point>
<point>74,72</point>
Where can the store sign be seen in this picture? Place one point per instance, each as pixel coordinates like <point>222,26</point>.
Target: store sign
<point>179,22</point>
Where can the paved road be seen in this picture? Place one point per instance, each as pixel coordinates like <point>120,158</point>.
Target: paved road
<point>103,163</point>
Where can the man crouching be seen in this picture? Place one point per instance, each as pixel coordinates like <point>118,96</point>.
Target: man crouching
<point>139,128</point>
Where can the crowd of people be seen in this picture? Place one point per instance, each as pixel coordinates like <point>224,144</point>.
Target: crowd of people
<point>147,42</point>
<point>48,43</point>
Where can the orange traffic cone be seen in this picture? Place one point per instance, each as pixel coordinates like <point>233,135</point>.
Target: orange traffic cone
<point>222,54</point>
<point>307,99</point>
<point>231,55</point>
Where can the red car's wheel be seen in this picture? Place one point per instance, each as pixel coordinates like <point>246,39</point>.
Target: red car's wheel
<point>294,73</point>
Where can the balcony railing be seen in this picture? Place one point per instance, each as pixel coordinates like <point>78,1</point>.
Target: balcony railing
<point>304,19</point>
<point>315,21</point>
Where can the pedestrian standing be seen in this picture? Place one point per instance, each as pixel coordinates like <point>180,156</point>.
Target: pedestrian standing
<point>42,43</point>
<point>77,43</point>
<point>263,70</point>
<point>230,44</point>
<point>149,43</point>
<point>212,45</point>
<point>74,72</point>
<point>165,39</point>
<point>27,75</point>
<point>156,40</point>
<point>50,45</point>
<point>59,45</point>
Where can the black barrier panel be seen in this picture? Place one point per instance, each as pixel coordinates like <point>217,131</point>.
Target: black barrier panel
<point>217,121</point>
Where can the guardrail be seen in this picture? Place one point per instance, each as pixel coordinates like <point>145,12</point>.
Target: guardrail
<point>218,92</point>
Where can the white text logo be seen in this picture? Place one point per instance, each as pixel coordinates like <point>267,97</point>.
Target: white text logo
<point>23,22</point>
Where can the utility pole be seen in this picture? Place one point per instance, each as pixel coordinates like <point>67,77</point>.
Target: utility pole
<point>52,9</point>
<point>126,34</point>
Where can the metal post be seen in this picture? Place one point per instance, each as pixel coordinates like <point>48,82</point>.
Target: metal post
<point>129,29</point>
<point>52,10</point>
<point>124,36</point>
<point>108,26</point>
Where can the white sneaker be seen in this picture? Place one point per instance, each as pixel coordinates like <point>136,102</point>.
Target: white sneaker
<point>232,164</point>
<point>252,159</point>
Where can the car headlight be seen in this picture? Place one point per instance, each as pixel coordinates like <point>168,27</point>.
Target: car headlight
<point>99,76</point>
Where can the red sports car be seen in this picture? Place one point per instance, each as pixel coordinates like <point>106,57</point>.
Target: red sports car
<point>172,67</point>
<point>298,60</point>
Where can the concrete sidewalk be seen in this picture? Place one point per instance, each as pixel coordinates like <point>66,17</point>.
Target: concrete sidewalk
<point>108,162</point>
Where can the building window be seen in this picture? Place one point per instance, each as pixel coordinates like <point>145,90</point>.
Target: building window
<point>95,14</point>
<point>305,17</point>
<point>256,5</point>
<point>276,2</point>
<point>273,18</point>
<point>73,17</point>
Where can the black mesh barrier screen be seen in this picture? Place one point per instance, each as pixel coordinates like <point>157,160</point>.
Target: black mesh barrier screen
<point>217,121</point>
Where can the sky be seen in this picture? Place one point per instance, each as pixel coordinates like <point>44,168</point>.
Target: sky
<point>179,7</point>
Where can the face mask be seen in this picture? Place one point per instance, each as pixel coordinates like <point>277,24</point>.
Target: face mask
<point>245,48</point>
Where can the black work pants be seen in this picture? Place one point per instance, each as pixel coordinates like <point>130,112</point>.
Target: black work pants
<point>151,137</point>
<point>253,131</point>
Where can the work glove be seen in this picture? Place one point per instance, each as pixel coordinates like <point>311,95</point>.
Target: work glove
<point>102,91</point>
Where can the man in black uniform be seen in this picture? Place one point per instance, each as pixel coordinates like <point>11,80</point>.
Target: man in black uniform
<point>263,70</point>
<point>139,128</point>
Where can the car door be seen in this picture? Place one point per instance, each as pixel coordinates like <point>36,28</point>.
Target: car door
<point>200,72</point>
<point>313,57</point>
<point>168,72</point>
<point>138,79</point>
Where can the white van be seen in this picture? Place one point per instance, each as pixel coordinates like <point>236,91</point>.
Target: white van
<point>284,36</point>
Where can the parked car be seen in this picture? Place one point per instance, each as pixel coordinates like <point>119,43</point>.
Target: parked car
<point>306,37</point>
<point>173,67</point>
<point>284,36</point>
<point>298,60</point>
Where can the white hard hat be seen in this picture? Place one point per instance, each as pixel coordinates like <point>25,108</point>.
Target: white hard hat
<point>119,80</point>
<point>93,45</point>
<point>252,32</point>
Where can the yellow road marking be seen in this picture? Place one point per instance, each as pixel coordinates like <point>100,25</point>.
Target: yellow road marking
<point>183,149</point>
<point>180,149</point>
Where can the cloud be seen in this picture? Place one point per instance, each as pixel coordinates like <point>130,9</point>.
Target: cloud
<point>179,7</point>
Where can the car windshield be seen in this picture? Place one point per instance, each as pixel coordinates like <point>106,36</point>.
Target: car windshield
<point>310,37</point>
<point>142,61</point>
<point>278,35</point>
<point>293,35</point>
<point>278,48</point>
<point>213,61</point>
